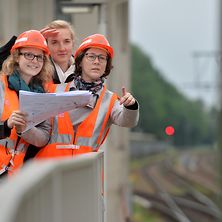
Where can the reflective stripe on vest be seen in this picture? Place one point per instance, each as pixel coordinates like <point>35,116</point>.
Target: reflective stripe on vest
<point>101,127</point>
<point>57,126</point>
<point>91,132</point>
<point>10,152</point>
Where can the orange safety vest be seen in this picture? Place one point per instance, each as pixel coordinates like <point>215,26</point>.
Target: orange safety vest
<point>88,136</point>
<point>12,149</point>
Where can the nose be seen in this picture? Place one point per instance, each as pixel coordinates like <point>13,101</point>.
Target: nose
<point>96,59</point>
<point>35,59</point>
<point>61,46</point>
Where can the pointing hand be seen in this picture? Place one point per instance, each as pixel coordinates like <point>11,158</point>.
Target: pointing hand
<point>127,99</point>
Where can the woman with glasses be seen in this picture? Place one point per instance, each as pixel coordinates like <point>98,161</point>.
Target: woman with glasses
<point>60,37</point>
<point>27,68</point>
<point>84,129</point>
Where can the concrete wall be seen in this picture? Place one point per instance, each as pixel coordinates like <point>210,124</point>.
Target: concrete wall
<point>55,190</point>
<point>117,152</point>
<point>20,15</point>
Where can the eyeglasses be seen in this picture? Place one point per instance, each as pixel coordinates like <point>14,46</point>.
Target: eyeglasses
<point>30,56</point>
<point>92,57</point>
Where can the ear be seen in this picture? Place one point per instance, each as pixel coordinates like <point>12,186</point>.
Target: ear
<point>17,60</point>
<point>16,57</point>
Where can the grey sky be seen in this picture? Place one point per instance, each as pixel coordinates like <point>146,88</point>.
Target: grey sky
<point>170,31</point>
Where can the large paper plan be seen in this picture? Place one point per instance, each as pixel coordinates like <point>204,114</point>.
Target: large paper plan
<point>42,106</point>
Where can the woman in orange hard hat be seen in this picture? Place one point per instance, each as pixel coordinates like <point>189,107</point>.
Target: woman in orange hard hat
<point>27,68</point>
<point>60,37</point>
<point>84,129</point>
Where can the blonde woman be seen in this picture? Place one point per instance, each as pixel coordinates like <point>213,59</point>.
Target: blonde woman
<point>27,68</point>
<point>60,37</point>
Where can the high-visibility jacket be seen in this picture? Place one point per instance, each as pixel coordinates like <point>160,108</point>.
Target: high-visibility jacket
<point>88,136</point>
<point>12,148</point>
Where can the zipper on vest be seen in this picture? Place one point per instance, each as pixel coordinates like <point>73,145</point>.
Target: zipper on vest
<point>74,137</point>
<point>16,146</point>
<point>17,141</point>
<point>8,167</point>
<point>6,147</point>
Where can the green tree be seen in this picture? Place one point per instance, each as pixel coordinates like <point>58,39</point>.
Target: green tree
<point>161,104</point>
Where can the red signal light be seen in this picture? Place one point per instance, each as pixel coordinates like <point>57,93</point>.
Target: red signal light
<point>169,130</point>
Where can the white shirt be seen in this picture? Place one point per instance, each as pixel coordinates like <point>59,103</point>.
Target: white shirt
<point>63,75</point>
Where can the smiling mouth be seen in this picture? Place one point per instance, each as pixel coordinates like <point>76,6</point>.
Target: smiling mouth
<point>32,67</point>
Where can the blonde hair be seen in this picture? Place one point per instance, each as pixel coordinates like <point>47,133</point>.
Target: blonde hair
<point>62,24</point>
<point>11,64</point>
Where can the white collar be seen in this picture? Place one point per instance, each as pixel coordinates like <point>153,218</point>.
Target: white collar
<point>63,75</point>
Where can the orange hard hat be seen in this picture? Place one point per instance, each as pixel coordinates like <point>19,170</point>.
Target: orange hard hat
<point>95,41</point>
<point>31,38</point>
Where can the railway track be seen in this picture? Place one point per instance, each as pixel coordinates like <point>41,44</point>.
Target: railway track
<point>188,206</point>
